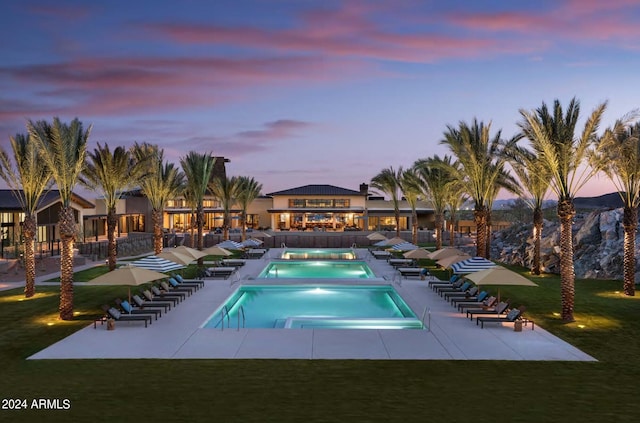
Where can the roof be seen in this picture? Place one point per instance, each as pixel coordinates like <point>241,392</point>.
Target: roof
<point>318,190</point>
<point>8,200</point>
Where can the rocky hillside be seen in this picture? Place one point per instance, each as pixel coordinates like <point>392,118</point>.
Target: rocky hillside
<point>598,239</point>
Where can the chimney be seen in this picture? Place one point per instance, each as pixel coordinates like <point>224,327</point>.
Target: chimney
<point>364,189</point>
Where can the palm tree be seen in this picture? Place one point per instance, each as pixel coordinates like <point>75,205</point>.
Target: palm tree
<point>534,181</point>
<point>388,181</point>
<point>198,169</point>
<point>481,170</point>
<point>29,179</point>
<point>617,154</point>
<point>164,182</point>
<point>552,137</point>
<point>191,203</point>
<point>454,199</point>
<point>63,150</point>
<point>411,187</point>
<point>112,174</point>
<point>435,177</point>
<point>248,190</point>
<point>226,191</point>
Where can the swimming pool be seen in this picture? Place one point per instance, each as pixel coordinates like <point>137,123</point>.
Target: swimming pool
<point>315,307</point>
<point>317,269</point>
<point>318,254</point>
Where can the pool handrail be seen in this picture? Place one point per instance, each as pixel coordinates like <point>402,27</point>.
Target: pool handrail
<point>244,320</point>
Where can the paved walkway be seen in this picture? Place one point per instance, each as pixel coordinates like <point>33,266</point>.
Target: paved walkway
<point>178,334</point>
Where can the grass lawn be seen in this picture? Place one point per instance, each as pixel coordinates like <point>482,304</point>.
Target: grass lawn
<point>331,390</point>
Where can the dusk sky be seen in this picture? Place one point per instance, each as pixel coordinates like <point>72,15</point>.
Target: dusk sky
<point>300,92</point>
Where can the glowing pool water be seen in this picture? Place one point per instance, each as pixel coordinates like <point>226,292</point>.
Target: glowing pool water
<point>318,254</point>
<point>317,269</point>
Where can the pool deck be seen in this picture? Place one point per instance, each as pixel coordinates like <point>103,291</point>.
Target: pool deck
<point>178,333</point>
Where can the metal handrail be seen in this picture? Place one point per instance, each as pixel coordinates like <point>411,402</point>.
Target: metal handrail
<point>244,320</point>
<point>224,312</point>
<point>427,310</point>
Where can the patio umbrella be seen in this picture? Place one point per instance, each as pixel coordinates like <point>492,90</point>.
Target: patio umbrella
<point>230,244</point>
<point>444,253</point>
<point>176,257</point>
<point>499,275</point>
<point>158,264</point>
<point>127,275</point>
<point>405,246</point>
<point>217,251</point>
<point>376,236</point>
<point>394,241</point>
<point>418,253</point>
<point>473,264</point>
<point>449,261</point>
<point>196,254</point>
<point>381,243</point>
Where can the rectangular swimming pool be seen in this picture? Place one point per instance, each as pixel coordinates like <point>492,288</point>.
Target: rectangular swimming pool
<point>317,269</point>
<point>315,307</point>
<point>318,254</point>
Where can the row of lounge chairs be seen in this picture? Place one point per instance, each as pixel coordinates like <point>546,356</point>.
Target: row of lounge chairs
<point>465,297</point>
<point>157,298</point>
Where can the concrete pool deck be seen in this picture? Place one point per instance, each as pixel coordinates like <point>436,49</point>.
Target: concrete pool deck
<point>178,333</point>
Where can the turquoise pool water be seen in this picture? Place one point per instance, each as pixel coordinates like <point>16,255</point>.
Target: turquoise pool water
<point>315,306</point>
<point>317,269</point>
<point>318,254</point>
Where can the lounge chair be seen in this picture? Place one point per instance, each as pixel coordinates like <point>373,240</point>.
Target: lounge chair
<point>255,253</point>
<point>233,262</point>
<point>121,317</point>
<point>474,298</point>
<point>470,292</point>
<point>193,285</point>
<point>151,297</point>
<point>486,304</point>
<point>188,290</point>
<point>499,309</point>
<point>381,255</point>
<point>163,294</point>
<point>454,288</point>
<point>438,282</point>
<point>151,304</point>
<point>225,272</point>
<point>412,271</point>
<point>127,308</point>
<point>401,262</point>
<point>180,279</point>
<point>511,317</point>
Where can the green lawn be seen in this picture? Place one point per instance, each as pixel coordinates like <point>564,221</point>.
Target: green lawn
<point>331,390</point>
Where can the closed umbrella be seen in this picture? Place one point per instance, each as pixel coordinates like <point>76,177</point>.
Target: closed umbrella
<point>127,275</point>
<point>499,275</point>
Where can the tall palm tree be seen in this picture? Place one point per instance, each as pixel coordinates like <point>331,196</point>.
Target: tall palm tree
<point>248,190</point>
<point>191,203</point>
<point>28,179</point>
<point>617,154</point>
<point>198,169</point>
<point>63,149</point>
<point>411,187</point>
<point>435,176</point>
<point>225,190</point>
<point>164,182</point>
<point>534,180</point>
<point>552,137</point>
<point>454,199</point>
<point>111,175</point>
<point>481,170</point>
<point>388,181</point>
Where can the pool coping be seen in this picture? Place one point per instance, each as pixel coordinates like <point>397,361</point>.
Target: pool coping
<point>177,335</point>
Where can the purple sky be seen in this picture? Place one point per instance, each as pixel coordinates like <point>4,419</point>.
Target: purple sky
<point>299,92</point>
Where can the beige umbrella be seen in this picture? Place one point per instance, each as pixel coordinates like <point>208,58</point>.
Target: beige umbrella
<point>127,275</point>
<point>196,254</point>
<point>376,236</point>
<point>499,275</point>
<point>217,251</point>
<point>176,257</point>
<point>444,253</point>
<point>395,241</point>
<point>448,261</point>
<point>419,253</point>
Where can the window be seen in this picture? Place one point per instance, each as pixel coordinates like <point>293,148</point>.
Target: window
<point>342,203</point>
<point>297,203</point>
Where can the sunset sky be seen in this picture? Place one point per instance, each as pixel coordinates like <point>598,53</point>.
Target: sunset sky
<point>311,92</point>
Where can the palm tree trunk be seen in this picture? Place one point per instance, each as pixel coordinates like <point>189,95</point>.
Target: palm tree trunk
<point>488,247</point>
<point>200,222</point>
<point>480,219</point>
<point>630,224</point>
<point>67,234</point>
<point>452,229</point>
<point>397,217</point>
<point>29,232</point>
<point>112,221</point>
<point>538,223</point>
<point>243,222</point>
<point>225,225</point>
<point>414,226</point>
<point>439,221</point>
<point>566,212</point>
<point>191,228</point>
<point>156,217</point>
